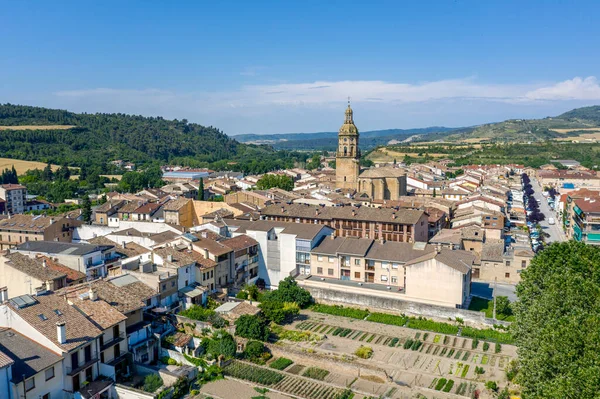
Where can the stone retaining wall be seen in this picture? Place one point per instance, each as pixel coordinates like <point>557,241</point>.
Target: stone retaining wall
<point>393,304</point>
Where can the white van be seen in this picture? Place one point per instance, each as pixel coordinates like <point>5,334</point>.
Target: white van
<point>551,221</point>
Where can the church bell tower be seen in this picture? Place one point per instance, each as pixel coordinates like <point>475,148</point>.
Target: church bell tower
<point>347,157</point>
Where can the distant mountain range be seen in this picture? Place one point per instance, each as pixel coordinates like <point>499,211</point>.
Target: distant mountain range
<point>574,123</point>
<point>577,122</point>
<point>328,140</point>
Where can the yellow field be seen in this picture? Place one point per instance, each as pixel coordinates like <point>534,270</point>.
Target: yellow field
<point>34,127</point>
<point>586,129</point>
<point>384,155</point>
<point>584,136</point>
<point>22,166</point>
<point>118,177</point>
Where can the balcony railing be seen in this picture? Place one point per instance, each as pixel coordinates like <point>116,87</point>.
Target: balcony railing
<point>115,340</point>
<point>119,358</point>
<point>82,366</point>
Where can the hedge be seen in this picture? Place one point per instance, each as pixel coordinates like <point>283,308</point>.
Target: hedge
<point>338,310</point>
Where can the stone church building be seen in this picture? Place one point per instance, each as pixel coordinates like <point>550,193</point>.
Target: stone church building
<point>375,183</point>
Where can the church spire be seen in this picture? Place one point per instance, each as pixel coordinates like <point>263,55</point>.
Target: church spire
<point>349,113</point>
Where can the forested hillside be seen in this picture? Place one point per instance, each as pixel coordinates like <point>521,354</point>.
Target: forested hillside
<point>99,138</point>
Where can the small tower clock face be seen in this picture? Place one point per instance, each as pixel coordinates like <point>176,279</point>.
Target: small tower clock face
<point>345,139</point>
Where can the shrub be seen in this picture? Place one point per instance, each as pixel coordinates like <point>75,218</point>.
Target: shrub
<point>416,345</point>
<point>168,361</point>
<point>385,318</point>
<point>479,370</point>
<point>338,310</point>
<point>280,363</point>
<point>475,343</point>
<point>197,313</point>
<point>486,346</point>
<point>364,352</point>
<point>254,349</point>
<point>492,386</point>
<point>195,361</point>
<point>394,342</point>
<point>465,371</point>
<point>221,343</point>
<point>152,382</point>
<point>408,344</point>
<point>498,348</point>
<point>242,295</point>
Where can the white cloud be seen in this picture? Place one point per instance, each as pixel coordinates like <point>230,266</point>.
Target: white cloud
<point>311,106</point>
<point>574,89</point>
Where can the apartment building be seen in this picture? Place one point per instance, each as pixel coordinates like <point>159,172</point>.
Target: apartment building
<point>179,211</point>
<point>92,260</point>
<point>130,297</point>
<point>417,271</point>
<point>15,196</point>
<point>51,322</point>
<point>17,229</point>
<point>245,254</point>
<point>27,368</point>
<point>585,220</point>
<point>391,224</point>
<point>105,211</point>
<point>24,275</point>
<point>284,248</point>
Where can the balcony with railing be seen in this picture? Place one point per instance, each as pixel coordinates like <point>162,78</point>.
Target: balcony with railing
<point>78,368</point>
<point>105,344</point>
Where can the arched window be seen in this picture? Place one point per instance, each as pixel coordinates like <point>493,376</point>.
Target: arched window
<point>345,151</point>
<point>344,178</point>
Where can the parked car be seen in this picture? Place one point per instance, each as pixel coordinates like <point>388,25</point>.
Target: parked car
<point>551,221</point>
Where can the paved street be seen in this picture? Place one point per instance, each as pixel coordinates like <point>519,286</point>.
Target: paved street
<point>485,290</point>
<point>556,233</point>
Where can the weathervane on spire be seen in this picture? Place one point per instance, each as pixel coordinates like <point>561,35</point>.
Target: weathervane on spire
<point>348,100</point>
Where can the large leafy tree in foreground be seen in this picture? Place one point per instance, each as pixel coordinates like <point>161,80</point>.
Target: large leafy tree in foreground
<point>558,323</point>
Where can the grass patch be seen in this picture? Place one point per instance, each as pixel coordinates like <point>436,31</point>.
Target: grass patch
<point>465,371</point>
<point>430,325</point>
<point>487,306</point>
<point>488,334</point>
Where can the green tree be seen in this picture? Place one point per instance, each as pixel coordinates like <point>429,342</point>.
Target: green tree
<point>47,174</point>
<point>557,319</point>
<point>280,181</point>
<point>221,343</point>
<point>254,349</point>
<point>201,190</point>
<point>503,306</point>
<point>315,162</point>
<point>86,209</point>
<point>252,327</point>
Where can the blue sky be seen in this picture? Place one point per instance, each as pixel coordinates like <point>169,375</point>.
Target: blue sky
<point>273,67</point>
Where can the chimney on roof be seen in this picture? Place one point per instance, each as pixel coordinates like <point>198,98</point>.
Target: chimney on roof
<point>353,212</point>
<point>3,294</point>
<point>170,258</point>
<point>123,244</point>
<point>381,240</point>
<point>61,332</point>
<point>51,220</point>
<point>92,294</point>
<point>394,215</point>
<point>44,263</point>
<point>332,236</point>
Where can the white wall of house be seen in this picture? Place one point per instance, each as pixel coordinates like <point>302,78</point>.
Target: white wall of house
<point>53,386</point>
<point>435,282</point>
<point>10,319</point>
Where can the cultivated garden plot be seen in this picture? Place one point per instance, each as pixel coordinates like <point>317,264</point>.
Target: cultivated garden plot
<point>303,387</point>
<point>413,358</point>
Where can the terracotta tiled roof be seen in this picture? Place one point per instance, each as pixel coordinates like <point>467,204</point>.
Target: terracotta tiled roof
<point>99,312</point>
<point>28,223</point>
<point>51,309</point>
<point>33,267</point>
<point>240,242</point>
<point>176,204</point>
